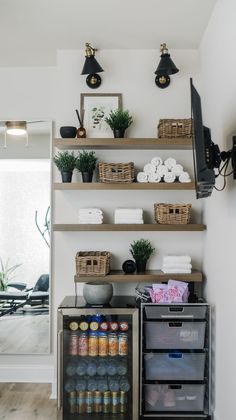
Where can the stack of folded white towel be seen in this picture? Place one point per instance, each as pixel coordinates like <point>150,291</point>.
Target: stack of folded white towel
<point>90,216</point>
<point>168,171</point>
<point>177,264</point>
<point>128,216</point>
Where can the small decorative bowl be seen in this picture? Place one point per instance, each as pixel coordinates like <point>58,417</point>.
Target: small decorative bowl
<point>68,132</point>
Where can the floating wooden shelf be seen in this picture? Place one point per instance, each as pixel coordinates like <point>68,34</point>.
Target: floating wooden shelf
<point>123,186</point>
<point>156,276</point>
<point>128,227</point>
<point>137,143</point>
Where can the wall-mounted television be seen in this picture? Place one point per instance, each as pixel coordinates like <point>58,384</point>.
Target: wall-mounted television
<point>207,156</point>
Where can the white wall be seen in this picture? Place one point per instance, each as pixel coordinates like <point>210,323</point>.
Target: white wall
<point>132,74</point>
<point>218,63</point>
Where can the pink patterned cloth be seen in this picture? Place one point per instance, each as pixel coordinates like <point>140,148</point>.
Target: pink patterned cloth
<point>173,292</point>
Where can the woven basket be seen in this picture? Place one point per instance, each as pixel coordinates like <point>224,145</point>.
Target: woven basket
<point>92,263</point>
<point>172,214</point>
<point>116,172</point>
<point>170,128</point>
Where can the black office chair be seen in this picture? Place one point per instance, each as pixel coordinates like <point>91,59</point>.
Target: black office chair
<point>38,299</point>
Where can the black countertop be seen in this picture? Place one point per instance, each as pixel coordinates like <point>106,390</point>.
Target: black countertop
<point>116,302</point>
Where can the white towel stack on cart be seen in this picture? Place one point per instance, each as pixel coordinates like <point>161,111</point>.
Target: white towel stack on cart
<point>177,264</point>
<point>128,216</point>
<point>168,171</point>
<point>90,216</point>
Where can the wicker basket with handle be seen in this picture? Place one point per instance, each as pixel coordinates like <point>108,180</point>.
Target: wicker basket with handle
<point>92,263</point>
<point>116,172</point>
<point>173,128</point>
<point>172,214</point>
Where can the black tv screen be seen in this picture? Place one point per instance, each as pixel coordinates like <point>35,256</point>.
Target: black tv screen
<point>202,149</point>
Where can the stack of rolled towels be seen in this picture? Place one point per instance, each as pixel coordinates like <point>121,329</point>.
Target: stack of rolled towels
<point>167,171</point>
<point>177,264</point>
<point>128,216</point>
<point>90,216</point>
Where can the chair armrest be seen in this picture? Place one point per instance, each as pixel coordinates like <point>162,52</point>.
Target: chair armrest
<point>17,285</point>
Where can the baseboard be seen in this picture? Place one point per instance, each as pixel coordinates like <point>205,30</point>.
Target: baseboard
<point>27,373</point>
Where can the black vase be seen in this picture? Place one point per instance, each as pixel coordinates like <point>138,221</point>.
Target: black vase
<point>67,132</point>
<point>66,176</point>
<point>119,133</point>
<point>129,267</point>
<point>141,266</point>
<point>87,176</point>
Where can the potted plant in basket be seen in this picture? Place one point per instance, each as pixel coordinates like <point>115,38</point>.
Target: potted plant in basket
<point>65,162</point>
<point>141,251</point>
<point>119,121</point>
<point>86,163</point>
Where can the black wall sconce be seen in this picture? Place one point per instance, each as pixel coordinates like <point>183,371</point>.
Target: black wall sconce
<point>165,68</point>
<point>91,67</point>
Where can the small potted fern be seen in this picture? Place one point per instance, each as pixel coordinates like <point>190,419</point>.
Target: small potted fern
<point>119,121</point>
<point>141,251</point>
<point>86,164</point>
<point>65,162</point>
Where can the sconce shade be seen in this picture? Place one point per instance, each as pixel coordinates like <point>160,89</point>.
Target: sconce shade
<point>16,128</point>
<point>166,66</point>
<point>91,66</point>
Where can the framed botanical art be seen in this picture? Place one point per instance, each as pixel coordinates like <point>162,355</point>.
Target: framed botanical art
<point>95,107</point>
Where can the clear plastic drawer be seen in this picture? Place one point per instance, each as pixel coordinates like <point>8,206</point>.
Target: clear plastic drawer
<point>170,398</point>
<point>158,311</point>
<point>174,366</point>
<point>175,335</point>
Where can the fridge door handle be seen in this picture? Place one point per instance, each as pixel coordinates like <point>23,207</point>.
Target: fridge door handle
<point>59,368</point>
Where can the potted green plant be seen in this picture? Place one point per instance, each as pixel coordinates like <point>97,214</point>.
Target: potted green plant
<point>65,162</point>
<point>141,251</point>
<point>86,163</point>
<point>6,273</point>
<point>119,121</point>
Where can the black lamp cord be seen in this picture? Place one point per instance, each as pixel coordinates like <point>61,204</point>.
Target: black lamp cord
<point>226,156</point>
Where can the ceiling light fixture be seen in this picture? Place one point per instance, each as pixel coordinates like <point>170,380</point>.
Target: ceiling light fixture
<point>91,67</point>
<point>16,128</point>
<point>165,68</point>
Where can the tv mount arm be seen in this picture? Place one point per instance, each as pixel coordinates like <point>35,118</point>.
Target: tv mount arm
<point>224,156</point>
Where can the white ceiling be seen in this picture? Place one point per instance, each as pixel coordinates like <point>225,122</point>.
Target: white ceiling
<point>31,31</point>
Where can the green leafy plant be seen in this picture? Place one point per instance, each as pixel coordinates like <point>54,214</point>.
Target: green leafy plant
<point>141,249</point>
<point>6,273</point>
<point>86,162</point>
<point>65,161</point>
<point>119,119</point>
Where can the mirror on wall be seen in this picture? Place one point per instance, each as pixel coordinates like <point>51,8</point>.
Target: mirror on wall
<point>25,206</point>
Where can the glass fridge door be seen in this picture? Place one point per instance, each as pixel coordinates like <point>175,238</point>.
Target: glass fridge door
<point>99,364</point>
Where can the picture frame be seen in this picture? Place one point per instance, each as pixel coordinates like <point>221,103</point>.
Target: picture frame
<point>95,107</point>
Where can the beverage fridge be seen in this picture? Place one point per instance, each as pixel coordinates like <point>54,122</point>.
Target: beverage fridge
<point>98,365</point>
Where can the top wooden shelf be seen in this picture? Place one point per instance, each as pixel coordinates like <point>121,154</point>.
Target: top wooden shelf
<point>115,144</point>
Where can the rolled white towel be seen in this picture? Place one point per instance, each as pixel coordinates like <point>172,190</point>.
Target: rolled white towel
<point>177,169</point>
<point>177,266</point>
<point>162,170</point>
<point>91,211</point>
<point>169,177</point>
<point>177,271</point>
<point>180,259</point>
<point>149,168</point>
<point>154,178</point>
<point>142,177</point>
<point>170,162</point>
<point>157,160</point>
<point>184,177</point>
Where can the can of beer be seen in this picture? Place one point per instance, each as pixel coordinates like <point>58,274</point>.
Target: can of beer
<point>123,344</point>
<point>93,344</point>
<point>123,401</point>
<point>72,402</point>
<point>73,326</point>
<point>73,344</point>
<point>89,402</point>
<point>97,402</point>
<point>103,344</point>
<point>106,406</point>
<point>113,345</point>
<point>115,402</point>
<point>81,402</point>
<point>83,345</point>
